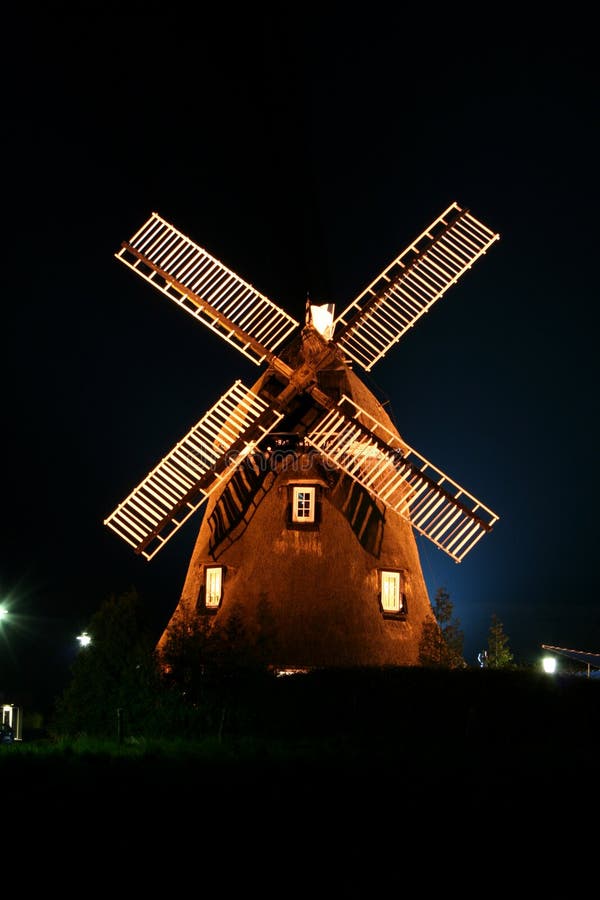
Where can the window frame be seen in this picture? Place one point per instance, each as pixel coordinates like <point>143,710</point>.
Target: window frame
<point>395,577</point>
<point>210,604</point>
<point>311,490</point>
<point>304,523</point>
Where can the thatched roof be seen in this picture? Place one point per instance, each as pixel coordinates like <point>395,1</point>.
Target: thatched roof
<point>308,597</point>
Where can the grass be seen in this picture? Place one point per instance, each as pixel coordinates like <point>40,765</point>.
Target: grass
<point>373,717</point>
<point>330,777</point>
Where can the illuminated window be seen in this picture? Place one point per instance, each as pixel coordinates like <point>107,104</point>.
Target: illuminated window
<point>213,586</point>
<point>392,599</point>
<point>303,504</point>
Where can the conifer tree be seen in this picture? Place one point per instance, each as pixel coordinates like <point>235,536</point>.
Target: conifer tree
<point>499,655</point>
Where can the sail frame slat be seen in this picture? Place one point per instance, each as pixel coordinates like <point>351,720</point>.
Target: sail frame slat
<point>202,285</point>
<point>166,498</point>
<point>423,272</point>
<point>435,506</point>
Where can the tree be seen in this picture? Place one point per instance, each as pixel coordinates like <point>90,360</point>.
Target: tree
<point>196,648</point>
<point>442,639</point>
<point>499,655</point>
<point>116,671</point>
<point>185,654</point>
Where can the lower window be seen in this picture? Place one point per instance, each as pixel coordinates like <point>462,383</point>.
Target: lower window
<point>213,586</point>
<point>391,596</point>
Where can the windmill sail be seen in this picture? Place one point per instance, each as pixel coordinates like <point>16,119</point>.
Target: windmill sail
<point>199,463</point>
<point>411,284</point>
<point>296,553</point>
<point>436,507</point>
<point>205,288</point>
<point>347,435</point>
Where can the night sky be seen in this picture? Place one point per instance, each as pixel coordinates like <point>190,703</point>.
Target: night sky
<point>305,151</point>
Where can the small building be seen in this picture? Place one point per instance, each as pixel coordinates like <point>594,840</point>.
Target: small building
<point>11,728</point>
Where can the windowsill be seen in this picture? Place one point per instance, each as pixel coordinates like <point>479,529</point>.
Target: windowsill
<point>302,526</point>
<point>399,616</point>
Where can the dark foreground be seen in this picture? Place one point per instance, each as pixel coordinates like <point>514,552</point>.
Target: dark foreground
<point>337,785</point>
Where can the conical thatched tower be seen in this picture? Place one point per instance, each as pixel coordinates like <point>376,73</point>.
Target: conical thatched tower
<point>341,586</point>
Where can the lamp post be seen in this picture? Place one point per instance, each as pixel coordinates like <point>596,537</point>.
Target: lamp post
<point>549,664</point>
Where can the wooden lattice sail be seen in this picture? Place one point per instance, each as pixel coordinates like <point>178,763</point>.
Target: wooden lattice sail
<point>306,551</point>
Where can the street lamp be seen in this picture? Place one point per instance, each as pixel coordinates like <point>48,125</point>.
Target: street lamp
<point>84,639</point>
<point>549,664</point>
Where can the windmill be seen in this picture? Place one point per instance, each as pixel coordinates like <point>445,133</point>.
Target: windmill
<point>312,498</point>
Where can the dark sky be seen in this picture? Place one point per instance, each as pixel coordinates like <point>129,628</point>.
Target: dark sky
<point>304,150</point>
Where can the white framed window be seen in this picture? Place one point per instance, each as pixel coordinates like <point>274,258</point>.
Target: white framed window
<point>391,595</point>
<point>303,504</point>
<point>213,586</point>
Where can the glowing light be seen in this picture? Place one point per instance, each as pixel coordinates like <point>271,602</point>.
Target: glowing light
<point>549,664</point>
<point>322,319</point>
<point>282,673</point>
<point>84,639</point>
<point>3,612</point>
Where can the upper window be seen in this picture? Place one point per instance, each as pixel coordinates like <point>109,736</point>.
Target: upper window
<point>213,586</point>
<point>392,599</point>
<point>303,508</point>
<point>303,504</point>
